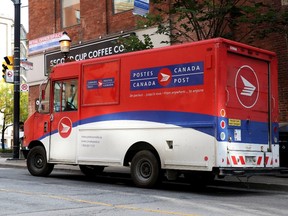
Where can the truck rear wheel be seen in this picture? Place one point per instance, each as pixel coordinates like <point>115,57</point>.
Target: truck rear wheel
<point>91,171</point>
<point>37,162</point>
<point>145,169</point>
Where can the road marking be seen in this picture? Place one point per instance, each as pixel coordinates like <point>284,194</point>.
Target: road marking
<point>125,207</point>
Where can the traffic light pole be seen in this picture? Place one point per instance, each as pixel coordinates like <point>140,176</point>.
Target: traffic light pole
<point>16,146</point>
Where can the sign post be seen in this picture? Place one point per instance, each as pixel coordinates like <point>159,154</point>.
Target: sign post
<point>16,145</point>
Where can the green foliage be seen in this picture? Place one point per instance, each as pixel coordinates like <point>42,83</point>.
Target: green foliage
<point>5,151</point>
<point>7,106</point>
<point>7,102</point>
<point>133,43</point>
<point>193,20</point>
<point>23,106</point>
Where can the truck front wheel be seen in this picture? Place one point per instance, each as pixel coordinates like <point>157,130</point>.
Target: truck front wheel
<point>37,162</point>
<point>145,169</point>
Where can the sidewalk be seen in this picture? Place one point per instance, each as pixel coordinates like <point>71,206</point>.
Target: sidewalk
<point>21,163</point>
<point>276,182</point>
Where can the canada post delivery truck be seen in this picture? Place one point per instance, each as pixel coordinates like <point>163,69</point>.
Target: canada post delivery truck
<point>201,109</point>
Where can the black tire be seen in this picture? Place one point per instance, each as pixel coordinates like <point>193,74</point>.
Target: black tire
<point>91,171</point>
<point>37,162</point>
<point>145,169</point>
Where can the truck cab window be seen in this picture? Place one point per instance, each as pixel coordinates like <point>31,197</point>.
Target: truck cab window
<point>44,106</point>
<point>65,95</point>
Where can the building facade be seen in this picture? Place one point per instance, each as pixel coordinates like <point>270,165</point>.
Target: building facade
<point>6,28</point>
<point>94,25</point>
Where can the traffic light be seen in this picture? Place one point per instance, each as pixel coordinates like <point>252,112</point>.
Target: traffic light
<point>9,61</point>
<point>4,69</point>
<point>7,65</point>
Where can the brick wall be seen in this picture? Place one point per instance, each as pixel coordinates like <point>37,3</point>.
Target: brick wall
<point>278,44</point>
<point>33,95</point>
<point>41,18</point>
<point>97,19</point>
<point>280,47</point>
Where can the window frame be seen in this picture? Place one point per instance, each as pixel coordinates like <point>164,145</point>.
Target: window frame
<point>62,15</point>
<point>120,12</point>
<point>62,95</point>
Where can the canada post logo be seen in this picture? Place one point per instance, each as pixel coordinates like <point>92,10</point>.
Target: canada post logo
<point>100,83</point>
<point>65,127</point>
<point>247,86</point>
<point>188,74</point>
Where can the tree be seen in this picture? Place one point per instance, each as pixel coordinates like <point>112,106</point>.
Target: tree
<point>133,43</point>
<point>7,109</point>
<point>194,20</point>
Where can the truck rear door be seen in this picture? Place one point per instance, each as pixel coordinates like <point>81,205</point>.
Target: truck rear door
<point>248,112</point>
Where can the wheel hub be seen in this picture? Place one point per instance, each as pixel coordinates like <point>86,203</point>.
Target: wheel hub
<point>145,169</point>
<point>39,162</point>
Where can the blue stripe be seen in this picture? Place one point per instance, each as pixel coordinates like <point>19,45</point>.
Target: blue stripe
<point>204,123</point>
<point>252,132</point>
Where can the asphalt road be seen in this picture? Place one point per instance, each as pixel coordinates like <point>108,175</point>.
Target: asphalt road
<point>276,182</point>
<point>68,192</point>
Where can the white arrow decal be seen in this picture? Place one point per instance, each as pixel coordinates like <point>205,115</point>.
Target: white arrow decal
<point>165,77</point>
<point>248,87</point>
<point>100,83</point>
<point>65,129</point>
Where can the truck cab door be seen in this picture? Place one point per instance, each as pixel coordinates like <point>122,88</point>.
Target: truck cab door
<point>63,120</point>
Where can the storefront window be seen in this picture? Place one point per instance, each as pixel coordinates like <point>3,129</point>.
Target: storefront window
<point>70,12</point>
<point>123,5</point>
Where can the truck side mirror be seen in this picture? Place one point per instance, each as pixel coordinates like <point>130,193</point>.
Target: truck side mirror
<point>37,104</point>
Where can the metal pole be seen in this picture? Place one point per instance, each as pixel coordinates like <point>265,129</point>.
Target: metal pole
<point>16,146</point>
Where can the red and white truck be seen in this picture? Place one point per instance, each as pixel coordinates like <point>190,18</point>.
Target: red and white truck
<point>206,108</point>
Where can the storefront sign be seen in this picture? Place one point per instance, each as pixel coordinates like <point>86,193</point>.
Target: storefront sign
<point>83,52</point>
<point>44,43</point>
<point>141,7</point>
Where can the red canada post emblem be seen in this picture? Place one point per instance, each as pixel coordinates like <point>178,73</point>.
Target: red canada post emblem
<point>247,86</point>
<point>164,77</point>
<point>65,127</point>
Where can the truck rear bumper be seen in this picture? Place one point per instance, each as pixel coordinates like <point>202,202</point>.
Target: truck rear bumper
<point>249,171</point>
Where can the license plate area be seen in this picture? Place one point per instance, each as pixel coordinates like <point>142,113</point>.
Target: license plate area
<point>250,160</point>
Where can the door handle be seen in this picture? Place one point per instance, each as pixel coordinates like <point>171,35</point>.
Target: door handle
<point>45,127</point>
<point>51,117</point>
<point>227,96</point>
